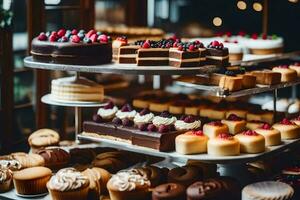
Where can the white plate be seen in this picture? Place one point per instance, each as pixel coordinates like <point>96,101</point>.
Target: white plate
<point>31,195</point>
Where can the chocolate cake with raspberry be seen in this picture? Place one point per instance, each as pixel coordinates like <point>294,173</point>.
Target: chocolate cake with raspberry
<point>217,54</point>
<point>72,47</point>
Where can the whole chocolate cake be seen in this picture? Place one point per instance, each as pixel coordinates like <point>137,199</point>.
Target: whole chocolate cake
<point>72,47</point>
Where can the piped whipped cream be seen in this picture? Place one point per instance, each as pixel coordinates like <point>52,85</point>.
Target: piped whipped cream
<point>123,115</point>
<point>107,113</point>
<point>143,119</point>
<point>158,120</point>
<point>182,125</point>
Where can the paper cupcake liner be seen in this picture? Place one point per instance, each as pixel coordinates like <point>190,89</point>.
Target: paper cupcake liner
<point>80,194</point>
<point>30,187</point>
<point>132,195</point>
<point>6,186</point>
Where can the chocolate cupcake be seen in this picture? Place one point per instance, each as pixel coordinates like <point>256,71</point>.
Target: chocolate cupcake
<point>185,175</point>
<point>169,191</point>
<point>55,158</point>
<point>155,174</point>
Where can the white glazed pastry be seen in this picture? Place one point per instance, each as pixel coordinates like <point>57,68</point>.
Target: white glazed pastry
<point>223,145</point>
<point>165,118</point>
<point>191,142</point>
<point>287,129</point>
<point>213,129</point>
<point>251,142</point>
<point>271,135</point>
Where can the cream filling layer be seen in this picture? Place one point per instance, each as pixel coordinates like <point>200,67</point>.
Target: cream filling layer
<point>185,60</point>
<point>217,57</point>
<point>154,58</point>
<point>127,55</point>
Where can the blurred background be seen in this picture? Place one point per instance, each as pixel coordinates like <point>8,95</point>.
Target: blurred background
<point>21,20</point>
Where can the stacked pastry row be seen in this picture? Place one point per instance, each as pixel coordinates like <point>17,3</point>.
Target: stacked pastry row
<point>171,52</point>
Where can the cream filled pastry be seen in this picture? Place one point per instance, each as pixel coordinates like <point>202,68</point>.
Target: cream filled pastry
<point>251,142</point>
<point>213,129</point>
<point>109,111</point>
<point>143,117</point>
<point>287,129</point>
<point>187,123</point>
<point>223,145</point>
<point>271,135</point>
<point>126,112</point>
<point>191,142</point>
<point>235,124</point>
<point>165,118</point>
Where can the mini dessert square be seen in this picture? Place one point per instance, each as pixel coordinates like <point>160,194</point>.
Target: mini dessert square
<point>251,142</point>
<point>272,136</point>
<point>241,113</point>
<point>213,129</point>
<point>287,74</point>
<point>127,54</point>
<point>223,145</point>
<point>296,67</point>
<point>235,124</point>
<point>287,129</point>
<point>213,112</point>
<point>191,142</point>
<point>254,124</point>
<point>217,54</point>
<point>185,55</point>
<point>231,83</point>
<point>267,77</point>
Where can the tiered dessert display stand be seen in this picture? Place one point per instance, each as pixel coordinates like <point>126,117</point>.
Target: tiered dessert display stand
<point>229,165</point>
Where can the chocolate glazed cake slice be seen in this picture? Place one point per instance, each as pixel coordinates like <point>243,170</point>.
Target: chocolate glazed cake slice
<point>217,54</point>
<point>185,55</point>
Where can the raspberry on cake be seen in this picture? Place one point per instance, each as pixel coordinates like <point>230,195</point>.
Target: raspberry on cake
<point>272,136</point>
<point>213,129</point>
<point>191,142</point>
<point>108,111</point>
<point>72,47</point>
<point>217,54</point>
<point>287,74</point>
<point>296,67</point>
<point>184,55</point>
<point>126,114</point>
<point>186,123</point>
<point>223,145</point>
<point>235,124</point>
<point>251,142</point>
<point>287,129</point>
<point>241,113</point>
<point>143,117</point>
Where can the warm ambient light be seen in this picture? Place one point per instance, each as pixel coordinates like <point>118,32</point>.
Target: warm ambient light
<point>241,5</point>
<point>293,1</point>
<point>217,21</point>
<point>257,7</point>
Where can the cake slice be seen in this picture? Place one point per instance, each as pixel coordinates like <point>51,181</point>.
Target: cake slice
<point>287,74</point>
<point>231,83</point>
<point>235,124</point>
<point>217,54</point>
<point>213,129</point>
<point>185,55</point>
<point>267,77</point>
<point>116,44</point>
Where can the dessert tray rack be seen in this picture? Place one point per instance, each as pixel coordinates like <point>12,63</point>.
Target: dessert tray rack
<point>227,162</point>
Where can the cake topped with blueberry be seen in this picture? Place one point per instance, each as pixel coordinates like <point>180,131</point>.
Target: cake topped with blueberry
<point>72,47</point>
<point>189,122</point>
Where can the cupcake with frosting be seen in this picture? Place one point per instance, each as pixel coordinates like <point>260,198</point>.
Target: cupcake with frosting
<point>68,183</point>
<point>130,184</point>
<point>5,179</point>
<point>143,117</point>
<point>187,123</point>
<point>108,112</point>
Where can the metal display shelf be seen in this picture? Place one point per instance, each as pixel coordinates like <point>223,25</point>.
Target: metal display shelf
<point>220,92</point>
<point>121,68</point>
<point>242,158</point>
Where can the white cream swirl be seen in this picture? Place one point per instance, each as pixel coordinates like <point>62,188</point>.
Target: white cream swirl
<point>158,120</point>
<point>123,115</point>
<point>67,179</point>
<point>181,125</point>
<point>5,174</point>
<point>10,164</point>
<point>128,180</point>
<point>143,119</point>
<point>107,113</point>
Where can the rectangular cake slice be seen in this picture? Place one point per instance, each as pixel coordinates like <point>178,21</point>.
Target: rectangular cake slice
<point>217,54</point>
<point>184,57</point>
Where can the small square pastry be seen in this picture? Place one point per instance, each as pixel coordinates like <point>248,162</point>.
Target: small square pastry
<point>251,142</point>
<point>287,129</point>
<point>186,123</point>
<point>214,79</point>
<point>249,81</point>
<point>287,74</point>
<point>184,55</point>
<point>255,115</point>
<point>193,107</point>
<point>217,54</point>
<point>223,145</point>
<point>267,77</point>
<point>253,125</point>
<point>268,117</point>
<point>231,83</point>
<point>213,129</point>
<point>235,124</point>
<point>159,105</point>
<point>128,54</point>
<point>296,67</point>
<point>143,101</point>
<point>296,120</point>
<point>191,142</point>
<point>272,136</point>
<point>238,112</point>
<point>177,106</point>
<point>213,112</point>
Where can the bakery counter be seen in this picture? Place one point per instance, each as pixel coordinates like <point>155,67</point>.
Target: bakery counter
<point>121,68</point>
<point>179,158</point>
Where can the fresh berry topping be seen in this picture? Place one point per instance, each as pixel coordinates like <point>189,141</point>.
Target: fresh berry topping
<point>296,64</point>
<point>163,129</point>
<point>264,36</point>
<point>87,40</point>
<point>109,105</point>
<point>189,119</point>
<point>180,48</point>
<point>90,33</point>
<point>151,128</point>
<point>175,44</point>
<point>143,127</point>
<point>42,37</point>
<point>117,121</point>
<point>173,37</point>
<point>192,47</point>
<point>165,114</point>
<point>286,121</point>
<point>168,45</point>
<point>103,38</point>
<point>127,122</point>
<point>75,39</point>
<point>126,108</point>
<point>250,133</point>
<point>145,111</point>
<point>233,117</point>
<point>235,41</point>
<point>146,44</point>
<point>254,36</point>
<point>54,33</point>
<point>283,66</point>
<point>53,38</point>
<point>215,43</point>
<point>228,34</point>
<point>198,133</point>
<point>97,118</point>
<point>242,33</point>
<point>93,37</point>
<point>266,126</point>
<point>64,39</point>
<point>197,42</point>
<point>74,32</point>
<point>61,32</point>
<point>182,117</point>
<point>122,38</point>
<point>225,136</point>
<point>216,123</point>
